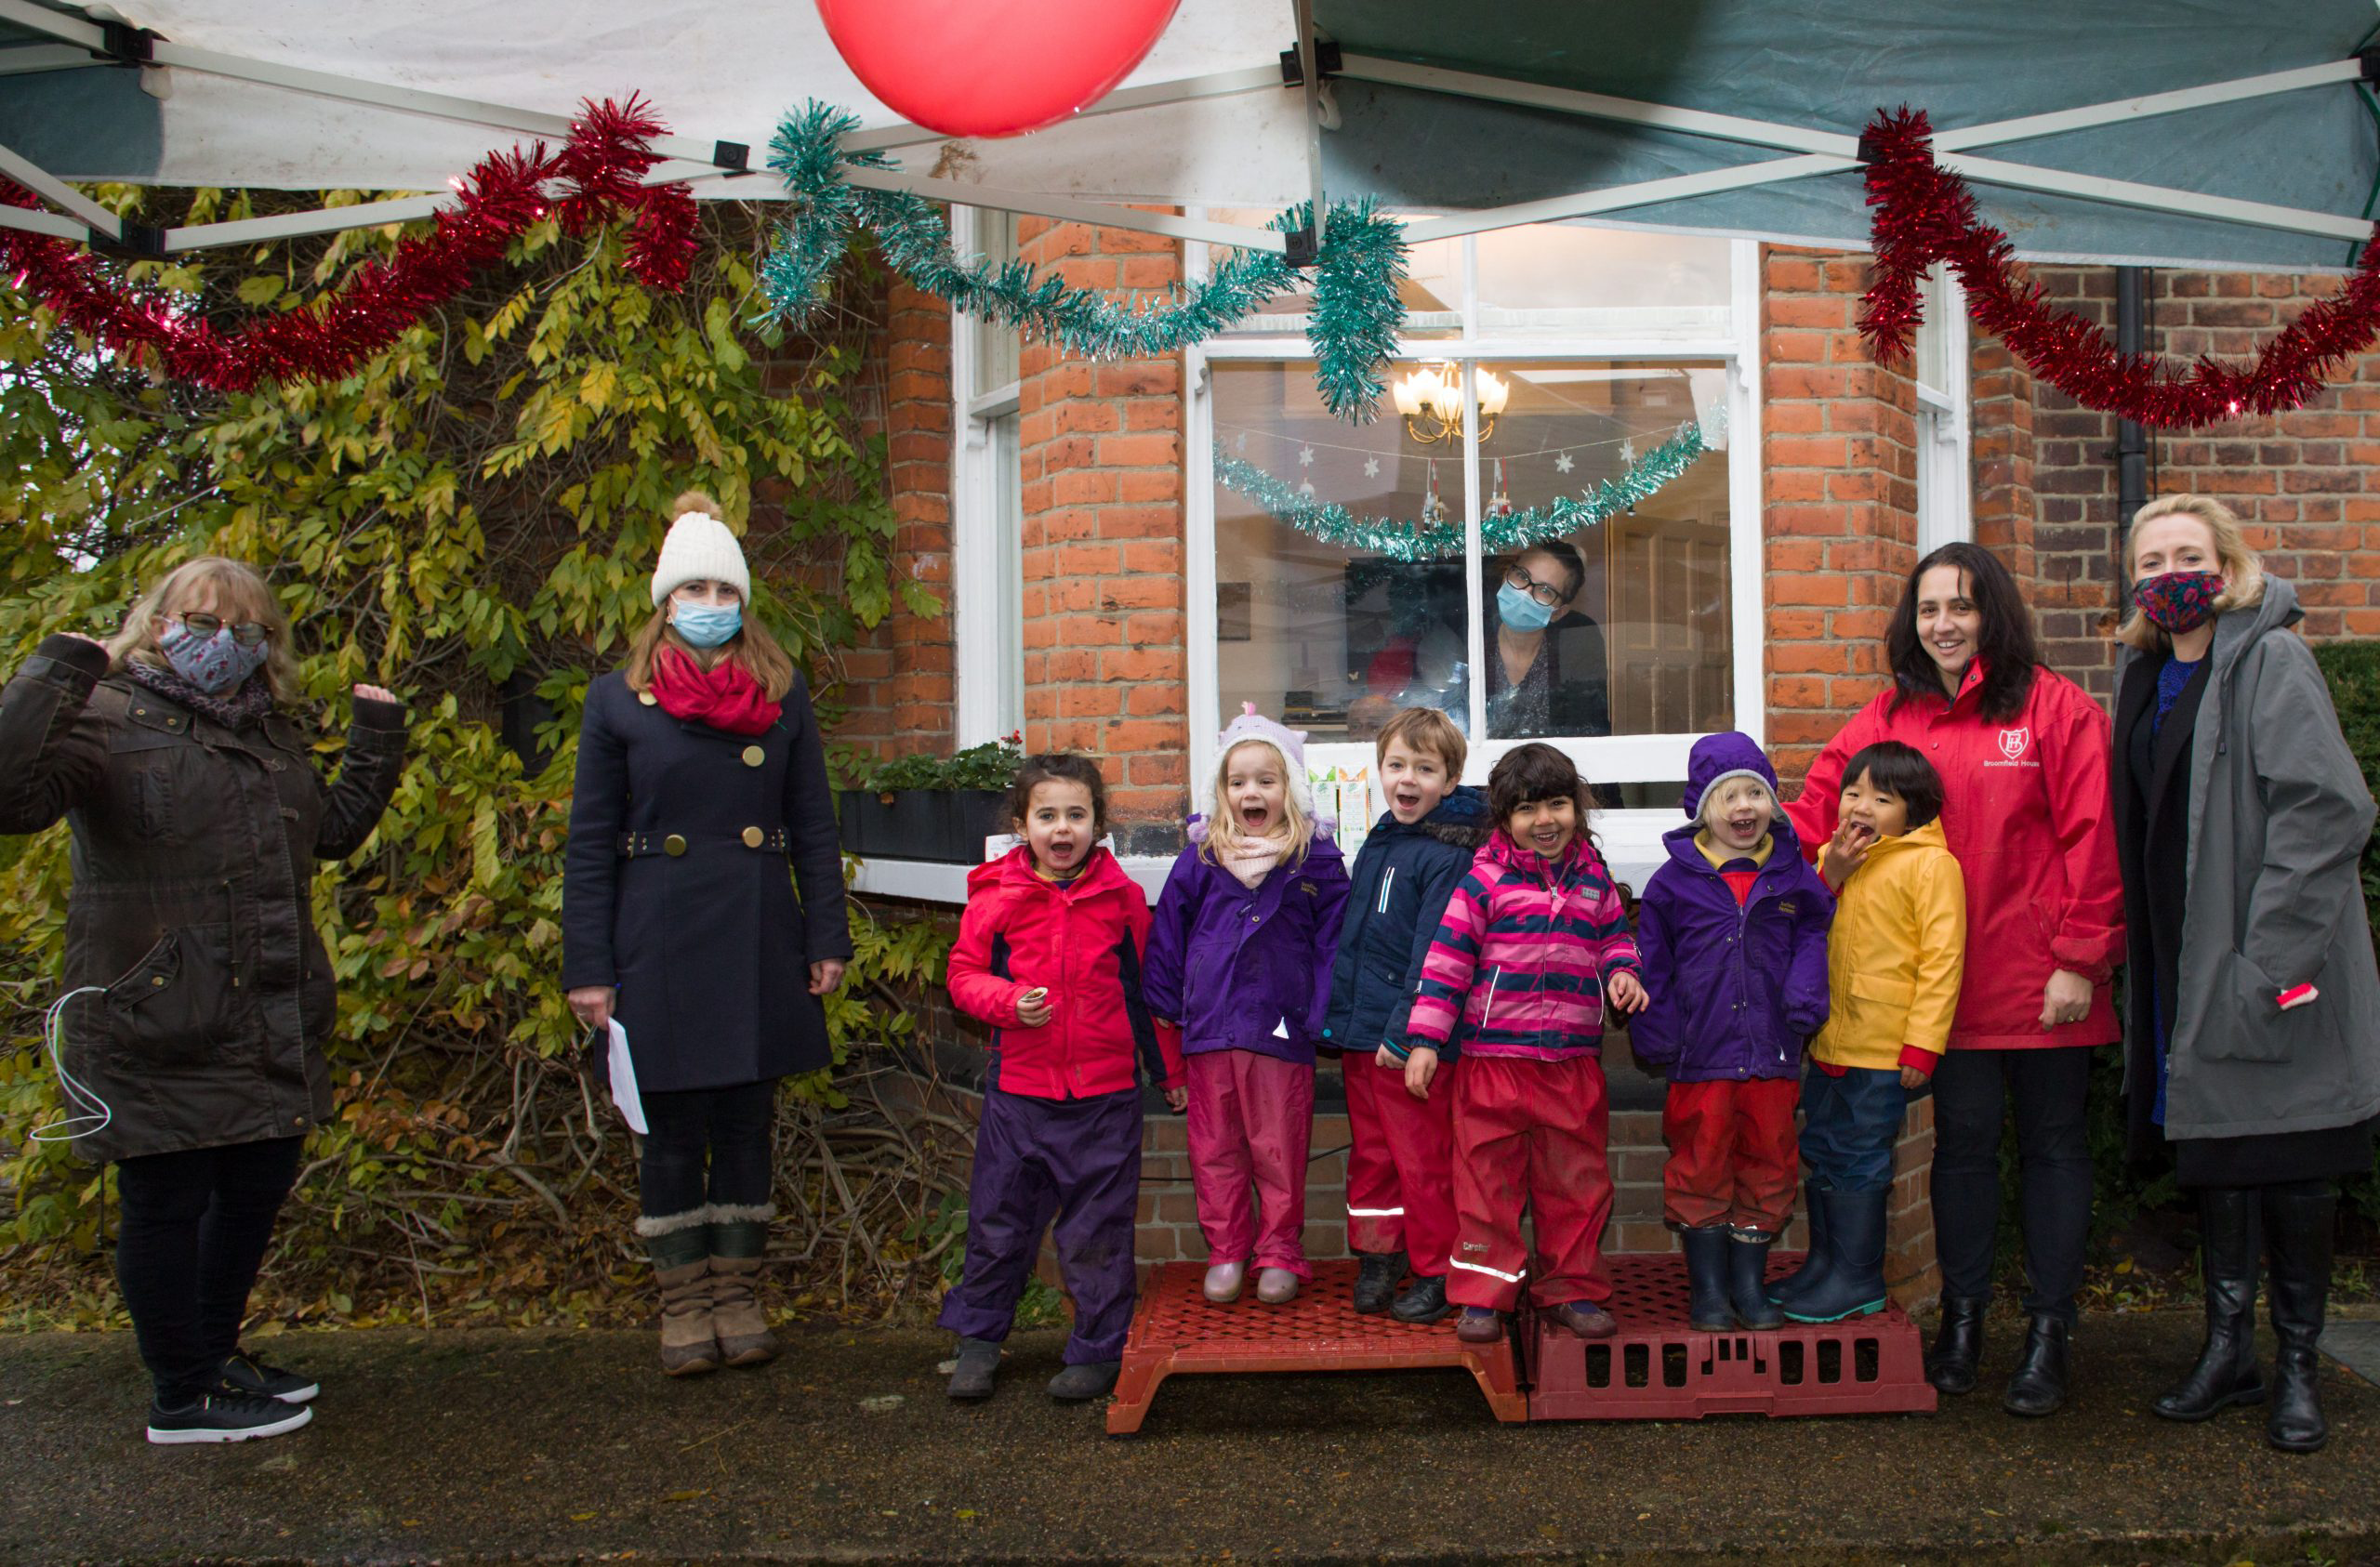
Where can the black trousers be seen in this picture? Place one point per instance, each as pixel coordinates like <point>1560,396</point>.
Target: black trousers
<point>195,1230</point>
<point>729,1126</point>
<point>1972,1091</point>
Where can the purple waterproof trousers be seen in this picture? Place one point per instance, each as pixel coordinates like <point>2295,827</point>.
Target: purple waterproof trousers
<point>1076,1160</point>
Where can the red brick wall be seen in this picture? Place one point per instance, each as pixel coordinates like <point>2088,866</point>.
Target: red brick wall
<point>2303,481</point>
<point>1104,641</point>
<point>897,688</point>
<point>1839,491</point>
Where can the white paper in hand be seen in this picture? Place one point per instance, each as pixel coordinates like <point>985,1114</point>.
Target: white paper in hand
<point>622,1070</point>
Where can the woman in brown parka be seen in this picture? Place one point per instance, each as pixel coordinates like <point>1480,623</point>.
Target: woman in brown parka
<point>199,991</point>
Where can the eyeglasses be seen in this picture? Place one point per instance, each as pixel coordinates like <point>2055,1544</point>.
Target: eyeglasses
<point>247,633</point>
<point>1544,593</point>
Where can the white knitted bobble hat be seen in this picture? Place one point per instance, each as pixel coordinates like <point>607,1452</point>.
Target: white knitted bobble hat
<point>699,548</point>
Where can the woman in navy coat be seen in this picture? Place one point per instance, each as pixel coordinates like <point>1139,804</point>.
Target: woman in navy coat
<point>701,776</point>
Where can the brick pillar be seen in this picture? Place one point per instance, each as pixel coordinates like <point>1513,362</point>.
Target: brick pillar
<point>1839,503</point>
<point>1104,641</point>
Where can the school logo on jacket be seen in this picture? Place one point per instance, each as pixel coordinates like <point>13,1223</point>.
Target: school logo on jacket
<point>2013,741</point>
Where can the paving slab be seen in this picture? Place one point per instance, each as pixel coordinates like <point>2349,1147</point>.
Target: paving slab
<point>489,1447</point>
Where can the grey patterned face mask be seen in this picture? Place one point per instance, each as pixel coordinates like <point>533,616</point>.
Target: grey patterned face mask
<point>214,665</point>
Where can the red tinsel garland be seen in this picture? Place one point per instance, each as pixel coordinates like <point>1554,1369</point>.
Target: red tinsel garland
<point>600,169</point>
<point>1926,213</point>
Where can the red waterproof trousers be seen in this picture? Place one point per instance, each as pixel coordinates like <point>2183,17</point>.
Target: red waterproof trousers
<point>1732,1157</point>
<point>1530,1133</point>
<point>1400,1164</point>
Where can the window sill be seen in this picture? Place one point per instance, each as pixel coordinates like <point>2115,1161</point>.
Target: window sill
<point>927,881</point>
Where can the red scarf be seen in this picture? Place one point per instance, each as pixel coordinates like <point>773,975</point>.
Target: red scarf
<point>725,696</point>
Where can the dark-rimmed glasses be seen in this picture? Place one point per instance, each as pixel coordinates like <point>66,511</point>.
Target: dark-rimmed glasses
<point>247,633</point>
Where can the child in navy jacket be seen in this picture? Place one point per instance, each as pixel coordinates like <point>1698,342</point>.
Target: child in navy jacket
<point>1239,953</point>
<point>1400,1125</point>
<point>1732,930</point>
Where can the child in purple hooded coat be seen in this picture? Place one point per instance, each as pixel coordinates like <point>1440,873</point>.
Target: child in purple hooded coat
<point>1239,955</point>
<point>1732,930</point>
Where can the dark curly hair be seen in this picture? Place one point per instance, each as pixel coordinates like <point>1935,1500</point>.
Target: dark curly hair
<point>1059,766</point>
<point>2006,643</point>
<point>1528,773</point>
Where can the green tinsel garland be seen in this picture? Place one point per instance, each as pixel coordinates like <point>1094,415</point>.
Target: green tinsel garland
<point>1403,539</point>
<point>1352,326</point>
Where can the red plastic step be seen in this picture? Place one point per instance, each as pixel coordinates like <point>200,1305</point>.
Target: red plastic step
<point>1177,1331</point>
<point>1657,1368</point>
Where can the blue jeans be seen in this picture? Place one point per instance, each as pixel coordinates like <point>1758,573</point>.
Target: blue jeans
<point>1849,1125</point>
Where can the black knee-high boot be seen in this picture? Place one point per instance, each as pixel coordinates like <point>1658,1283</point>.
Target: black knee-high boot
<point>2229,1239</point>
<point>2297,1229</point>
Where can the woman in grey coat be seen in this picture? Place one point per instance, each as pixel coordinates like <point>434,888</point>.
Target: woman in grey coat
<point>2253,1033</point>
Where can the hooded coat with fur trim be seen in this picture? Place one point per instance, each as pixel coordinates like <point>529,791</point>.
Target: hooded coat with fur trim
<point>1396,894</point>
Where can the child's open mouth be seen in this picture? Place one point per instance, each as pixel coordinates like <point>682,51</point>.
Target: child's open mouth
<point>1406,799</point>
<point>1254,817</point>
<point>1745,826</point>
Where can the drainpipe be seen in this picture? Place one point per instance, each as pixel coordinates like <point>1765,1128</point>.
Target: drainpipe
<point>2132,442</point>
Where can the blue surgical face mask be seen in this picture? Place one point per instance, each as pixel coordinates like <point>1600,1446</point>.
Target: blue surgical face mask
<point>1517,609</point>
<point>214,665</point>
<point>707,626</point>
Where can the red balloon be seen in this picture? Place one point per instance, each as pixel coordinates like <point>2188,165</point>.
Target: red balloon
<point>992,67</point>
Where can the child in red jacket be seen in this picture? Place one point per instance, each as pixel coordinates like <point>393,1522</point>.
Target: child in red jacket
<point>1048,953</point>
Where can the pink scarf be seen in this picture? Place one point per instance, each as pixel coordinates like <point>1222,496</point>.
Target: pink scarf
<point>1252,863</point>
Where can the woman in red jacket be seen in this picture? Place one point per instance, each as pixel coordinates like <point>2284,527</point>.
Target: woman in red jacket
<point>2023,755</point>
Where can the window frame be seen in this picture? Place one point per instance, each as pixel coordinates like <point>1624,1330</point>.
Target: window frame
<point>1945,424</point>
<point>986,586</point>
<point>1606,759</point>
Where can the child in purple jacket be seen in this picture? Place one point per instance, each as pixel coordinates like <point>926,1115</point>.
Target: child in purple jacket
<point>1239,955</point>
<point>1732,930</point>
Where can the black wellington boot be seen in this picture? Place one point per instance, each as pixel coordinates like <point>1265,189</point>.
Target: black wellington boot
<point>1854,1284</point>
<point>2297,1229</point>
<point>1748,1281</point>
<point>1377,1273</point>
<point>2039,1385</point>
<point>1816,1258</point>
<point>2226,1373</point>
<point>1706,1279</point>
<point>1958,1343</point>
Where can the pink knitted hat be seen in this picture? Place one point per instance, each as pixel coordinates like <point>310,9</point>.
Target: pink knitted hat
<point>1290,742</point>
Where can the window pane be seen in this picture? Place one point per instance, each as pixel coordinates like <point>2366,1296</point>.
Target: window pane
<point>994,345</point>
<point>1637,637</point>
<point>1009,542</point>
<point>1558,280</point>
<point>1328,637</point>
<point>1432,290</point>
<point>1932,350</point>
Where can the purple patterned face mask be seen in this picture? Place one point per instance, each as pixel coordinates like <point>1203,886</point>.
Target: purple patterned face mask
<point>2179,603</point>
<point>214,665</point>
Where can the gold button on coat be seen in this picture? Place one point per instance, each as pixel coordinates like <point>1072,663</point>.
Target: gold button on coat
<point>674,844</point>
<point>754,755</point>
<point>754,837</point>
<point>647,698</point>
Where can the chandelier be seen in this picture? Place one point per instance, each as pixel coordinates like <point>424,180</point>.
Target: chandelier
<point>1429,399</point>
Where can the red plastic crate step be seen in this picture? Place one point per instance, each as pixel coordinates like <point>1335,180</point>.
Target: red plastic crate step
<point>1177,1331</point>
<point>1657,1368</point>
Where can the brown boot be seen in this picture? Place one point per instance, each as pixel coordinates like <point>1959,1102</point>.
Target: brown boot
<point>681,1253</point>
<point>741,1328</point>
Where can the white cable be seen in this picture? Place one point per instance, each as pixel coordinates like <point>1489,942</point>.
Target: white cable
<point>94,1116</point>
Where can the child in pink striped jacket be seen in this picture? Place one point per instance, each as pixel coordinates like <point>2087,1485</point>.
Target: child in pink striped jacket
<point>1533,949</point>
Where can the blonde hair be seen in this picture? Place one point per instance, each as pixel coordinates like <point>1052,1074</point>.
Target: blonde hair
<point>2243,574</point>
<point>1224,834</point>
<point>1425,729</point>
<point>240,595</point>
<point>1712,798</point>
<point>751,649</point>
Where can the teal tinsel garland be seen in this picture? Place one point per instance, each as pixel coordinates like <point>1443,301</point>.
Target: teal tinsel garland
<point>1403,539</point>
<point>1353,328</point>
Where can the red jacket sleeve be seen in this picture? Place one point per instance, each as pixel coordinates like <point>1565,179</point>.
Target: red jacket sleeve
<point>2086,935</point>
<point>1814,810</point>
<point>974,989</point>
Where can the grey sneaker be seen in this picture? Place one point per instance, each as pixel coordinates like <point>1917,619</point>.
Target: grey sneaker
<point>979,1362</point>
<point>1079,1384</point>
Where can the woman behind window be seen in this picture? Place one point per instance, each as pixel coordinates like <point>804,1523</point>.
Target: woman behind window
<point>197,814</point>
<point>701,774</point>
<point>2254,1004</point>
